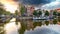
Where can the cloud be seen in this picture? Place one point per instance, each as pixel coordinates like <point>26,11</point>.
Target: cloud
<point>52,5</point>
<point>50,29</point>
<point>10,5</point>
<point>35,2</point>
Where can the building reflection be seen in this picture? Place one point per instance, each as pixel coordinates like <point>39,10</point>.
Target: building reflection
<point>28,24</point>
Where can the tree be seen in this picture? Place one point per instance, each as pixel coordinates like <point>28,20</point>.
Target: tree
<point>55,13</point>
<point>2,11</point>
<point>35,13</point>
<point>16,12</point>
<point>58,14</point>
<point>54,21</point>
<point>46,13</point>
<point>47,22</point>
<point>23,9</point>
<point>7,13</point>
<point>40,13</point>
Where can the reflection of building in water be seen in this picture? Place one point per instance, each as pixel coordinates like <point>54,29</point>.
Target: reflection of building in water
<point>30,24</point>
<point>51,21</point>
<point>58,23</point>
<point>43,22</point>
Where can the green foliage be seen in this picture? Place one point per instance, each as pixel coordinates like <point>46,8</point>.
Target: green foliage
<point>40,13</point>
<point>2,11</point>
<point>22,29</point>
<point>7,13</point>
<point>47,13</point>
<point>54,21</point>
<point>23,9</point>
<point>54,13</point>
<point>58,14</point>
<point>35,13</point>
<point>16,12</point>
<point>37,24</point>
<point>47,22</point>
<point>58,19</point>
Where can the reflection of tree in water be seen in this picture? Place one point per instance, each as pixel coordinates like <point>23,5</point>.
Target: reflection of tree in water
<point>58,20</point>
<point>37,24</point>
<point>29,24</point>
<point>2,25</point>
<point>47,22</point>
<point>26,25</point>
<point>2,33</point>
<point>55,21</point>
<point>23,28</point>
<point>1,29</point>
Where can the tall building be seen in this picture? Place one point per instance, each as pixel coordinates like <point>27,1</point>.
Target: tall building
<point>30,10</point>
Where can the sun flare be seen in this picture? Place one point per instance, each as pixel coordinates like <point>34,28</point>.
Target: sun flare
<point>10,8</point>
<point>9,5</point>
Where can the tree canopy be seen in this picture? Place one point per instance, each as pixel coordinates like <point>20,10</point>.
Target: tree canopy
<point>54,12</point>
<point>47,13</point>
<point>40,13</point>
<point>35,13</point>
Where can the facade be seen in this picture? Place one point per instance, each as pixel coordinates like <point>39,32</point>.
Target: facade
<point>51,13</point>
<point>30,10</point>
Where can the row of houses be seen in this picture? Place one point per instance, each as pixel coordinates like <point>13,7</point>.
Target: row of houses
<point>29,9</point>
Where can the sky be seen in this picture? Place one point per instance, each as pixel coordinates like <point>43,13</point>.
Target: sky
<point>43,4</point>
<point>50,29</point>
<point>11,27</point>
<point>52,5</point>
<point>10,5</point>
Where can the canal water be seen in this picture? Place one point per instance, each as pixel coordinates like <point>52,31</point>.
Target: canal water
<point>31,27</point>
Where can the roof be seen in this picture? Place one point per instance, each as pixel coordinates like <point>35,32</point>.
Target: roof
<point>58,9</point>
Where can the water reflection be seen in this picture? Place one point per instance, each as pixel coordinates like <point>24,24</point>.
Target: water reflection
<point>52,29</point>
<point>32,26</point>
<point>28,26</point>
<point>11,27</point>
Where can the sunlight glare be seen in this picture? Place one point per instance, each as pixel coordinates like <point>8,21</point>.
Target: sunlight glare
<point>11,27</point>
